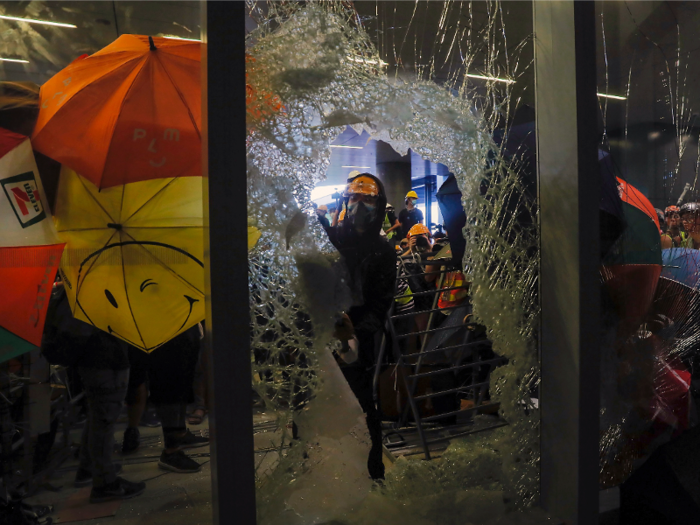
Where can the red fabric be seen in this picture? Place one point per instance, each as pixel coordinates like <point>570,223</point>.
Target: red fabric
<point>9,140</point>
<point>636,198</point>
<point>632,288</point>
<point>26,277</point>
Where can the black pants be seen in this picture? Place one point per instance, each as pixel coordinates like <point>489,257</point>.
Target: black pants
<point>360,380</point>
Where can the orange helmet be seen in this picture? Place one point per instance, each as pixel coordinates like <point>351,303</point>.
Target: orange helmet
<point>362,185</point>
<point>672,209</point>
<point>418,229</point>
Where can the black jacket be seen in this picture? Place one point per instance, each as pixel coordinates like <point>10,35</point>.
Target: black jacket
<point>371,266</point>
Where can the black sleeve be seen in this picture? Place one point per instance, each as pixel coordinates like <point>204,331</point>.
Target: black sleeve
<point>419,216</point>
<point>402,216</point>
<point>378,291</point>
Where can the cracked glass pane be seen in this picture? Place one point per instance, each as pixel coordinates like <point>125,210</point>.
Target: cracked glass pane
<point>649,165</point>
<point>450,83</point>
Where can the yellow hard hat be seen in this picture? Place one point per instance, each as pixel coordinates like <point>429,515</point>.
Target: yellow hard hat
<point>362,185</point>
<point>412,194</point>
<point>418,229</point>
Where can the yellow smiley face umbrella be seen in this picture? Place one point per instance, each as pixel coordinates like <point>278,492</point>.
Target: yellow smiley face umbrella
<point>133,264</point>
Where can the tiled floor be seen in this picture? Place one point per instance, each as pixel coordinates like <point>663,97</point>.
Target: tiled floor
<point>170,498</point>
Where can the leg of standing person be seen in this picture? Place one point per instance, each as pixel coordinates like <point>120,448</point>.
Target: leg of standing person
<point>136,398</point>
<point>105,390</point>
<point>360,380</point>
<point>199,407</point>
<point>172,377</point>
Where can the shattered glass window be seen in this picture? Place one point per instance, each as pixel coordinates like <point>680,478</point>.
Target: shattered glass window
<point>452,83</point>
<point>648,152</point>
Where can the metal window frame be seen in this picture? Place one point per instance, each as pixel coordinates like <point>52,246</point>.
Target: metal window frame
<point>569,193</point>
<point>226,262</point>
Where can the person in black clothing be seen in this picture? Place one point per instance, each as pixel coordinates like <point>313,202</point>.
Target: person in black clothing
<point>410,215</point>
<point>170,370</point>
<point>103,366</point>
<point>371,265</point>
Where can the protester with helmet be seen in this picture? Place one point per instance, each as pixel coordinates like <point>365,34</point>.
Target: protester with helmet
<point>371,265</point>
<point>419,238</point>
<point>391,224</point>
<point>673,235</point>
<point>690,216</point>
<point>321,212</point>
<point>410,215</point>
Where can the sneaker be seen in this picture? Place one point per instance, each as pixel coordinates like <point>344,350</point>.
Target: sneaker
<point>83,477</point>
<point>131,441</point>
<point>189,440</point>
<point>149,419</point>
<point>120,489</point>
<point>178,462</point>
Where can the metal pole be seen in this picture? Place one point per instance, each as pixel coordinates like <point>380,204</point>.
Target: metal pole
<point>226,262</point>
<point>569,188</point>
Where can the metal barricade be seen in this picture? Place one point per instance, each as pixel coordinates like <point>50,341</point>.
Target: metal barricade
<point>453,364</point>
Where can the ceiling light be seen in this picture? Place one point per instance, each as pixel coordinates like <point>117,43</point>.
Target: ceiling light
<point>18,60</point>
<point>34,21</point>
<point>496,79</point>
<point>614,97</point>
<point>343,146</point>
<point>359,167</point>
<point>180,38</point>
<point>377,61</point>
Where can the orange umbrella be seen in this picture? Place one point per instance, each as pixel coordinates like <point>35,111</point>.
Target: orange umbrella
<point>128,113</point>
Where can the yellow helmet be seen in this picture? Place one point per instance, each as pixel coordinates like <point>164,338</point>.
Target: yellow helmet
<point>362,185</point>
<point>411,195</point>
<point>418,229</point>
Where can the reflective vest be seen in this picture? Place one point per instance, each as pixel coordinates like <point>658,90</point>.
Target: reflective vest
<point>455,297</point>
<point>388,225</point>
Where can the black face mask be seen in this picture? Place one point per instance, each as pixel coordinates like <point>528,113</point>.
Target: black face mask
<point>361,216</point>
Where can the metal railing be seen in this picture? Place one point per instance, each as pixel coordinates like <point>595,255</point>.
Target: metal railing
<point>454,356</point>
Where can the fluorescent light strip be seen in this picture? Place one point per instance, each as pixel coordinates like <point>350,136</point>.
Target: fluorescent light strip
<point>347,147</point>
<point>180,38</point>
<point>359,167</point>
<point>18,60</point>
<point>368,61</point>
<point>34,21</point>
<point>614,97</point>
<point>496,79</point>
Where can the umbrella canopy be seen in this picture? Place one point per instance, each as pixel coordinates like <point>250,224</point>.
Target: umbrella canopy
<point>682,265</point>
<point>133,264</point>
<point>632,266</point>
<point>128,113</point>
<point>29,248</point>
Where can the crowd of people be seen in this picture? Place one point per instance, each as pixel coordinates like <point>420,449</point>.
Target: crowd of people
<point>112,373</point>
<point>680,226</point>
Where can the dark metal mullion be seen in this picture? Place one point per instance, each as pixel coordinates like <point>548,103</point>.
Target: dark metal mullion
<point>569,190</point>
<point>226,262</point>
